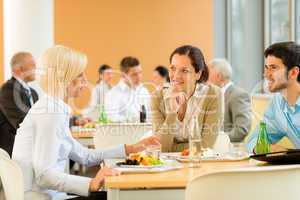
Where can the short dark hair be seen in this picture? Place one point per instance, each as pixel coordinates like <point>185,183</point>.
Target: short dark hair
<point>101,70</point>
<point>128,62</point>
<point>288,52</point>
<point>197,60</point>
<point>163,72</point>
<point>103,67</point>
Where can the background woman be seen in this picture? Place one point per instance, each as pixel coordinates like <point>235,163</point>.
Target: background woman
<point>160,76</point>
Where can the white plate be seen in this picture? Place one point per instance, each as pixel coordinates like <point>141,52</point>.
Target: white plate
<point>145,170</point>
<point>139,166</point>
<point>167,166</point>
<point>225,158</point>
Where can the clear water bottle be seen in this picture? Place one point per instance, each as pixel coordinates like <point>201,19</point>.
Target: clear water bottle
<point>195,144</point>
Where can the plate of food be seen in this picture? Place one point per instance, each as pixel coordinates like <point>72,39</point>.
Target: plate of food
<point>141,160</point>
<point>207,155</point>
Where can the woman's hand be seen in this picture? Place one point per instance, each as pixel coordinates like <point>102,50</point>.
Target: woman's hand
<point>142,145</point>
<point>98,181</point>
<point>175,101</point>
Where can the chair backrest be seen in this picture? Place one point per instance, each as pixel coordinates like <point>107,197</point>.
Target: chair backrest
<point>259,106</point>
<point>115,134</point>
<point>4,153</point>
<point>276,183</point>
<point>12,179</point>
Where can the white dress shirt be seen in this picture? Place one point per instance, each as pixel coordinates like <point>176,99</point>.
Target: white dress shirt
<point>98,94</point>
<point>225,87</point>
<point>97,100</point>
<point>123,104</point>
<point>26,86</point>
<point>44,144</point>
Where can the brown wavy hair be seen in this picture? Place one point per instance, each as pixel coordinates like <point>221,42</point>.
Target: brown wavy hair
<point>197,60</point>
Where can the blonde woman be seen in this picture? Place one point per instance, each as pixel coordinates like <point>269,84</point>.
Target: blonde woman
<point>44,143</point>
<point>187,96</point>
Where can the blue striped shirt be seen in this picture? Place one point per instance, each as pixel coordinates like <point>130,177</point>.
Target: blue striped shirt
<point>281,120</point>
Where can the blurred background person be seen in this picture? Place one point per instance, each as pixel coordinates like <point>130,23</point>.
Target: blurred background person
<point>237,105</point>
<point>160,76</point>
<point>16,98</point>
<point>104,84</point>
<point>124,101</point>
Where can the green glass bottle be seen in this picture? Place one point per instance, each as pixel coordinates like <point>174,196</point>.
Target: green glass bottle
<point>103,119</point>
<point>262,145</point>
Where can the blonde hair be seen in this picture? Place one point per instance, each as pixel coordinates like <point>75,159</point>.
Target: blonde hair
<point>18,59</point>
<point>59,66</point>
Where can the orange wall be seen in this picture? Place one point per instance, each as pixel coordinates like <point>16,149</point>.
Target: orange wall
<point>150,30</point>
<point>1,44</point>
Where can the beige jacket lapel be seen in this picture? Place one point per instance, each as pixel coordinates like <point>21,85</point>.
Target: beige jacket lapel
<point>194,107</point>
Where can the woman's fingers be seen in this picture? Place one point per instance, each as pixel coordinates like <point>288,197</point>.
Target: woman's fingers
<point>176,100</point>
<point>147,142</point>
<point>106,171</point>
<point>181,99</point>
<point>97,182</point>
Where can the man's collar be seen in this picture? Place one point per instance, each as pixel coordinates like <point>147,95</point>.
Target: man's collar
<point>292,108</point>
<point>298,102</point>
<point>226,86</point>
<point>124,86</point>
<point>104,84</point>
<point>23,83</point>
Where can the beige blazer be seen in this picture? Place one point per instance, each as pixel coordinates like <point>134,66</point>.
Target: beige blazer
<point>205,103</point>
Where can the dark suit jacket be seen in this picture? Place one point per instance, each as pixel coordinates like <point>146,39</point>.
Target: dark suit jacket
<point>238,114</point>
<point>14,105</point>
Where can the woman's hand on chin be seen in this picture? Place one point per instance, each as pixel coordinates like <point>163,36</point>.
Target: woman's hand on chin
<point>176,100</point>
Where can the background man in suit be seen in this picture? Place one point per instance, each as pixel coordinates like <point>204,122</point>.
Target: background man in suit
<point>237,119</point>
<point>16,98</point>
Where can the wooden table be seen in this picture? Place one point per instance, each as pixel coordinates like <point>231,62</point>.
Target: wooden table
<point>166,185</point>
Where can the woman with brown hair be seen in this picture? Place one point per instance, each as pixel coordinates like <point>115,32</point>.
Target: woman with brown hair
<point>186,97</point>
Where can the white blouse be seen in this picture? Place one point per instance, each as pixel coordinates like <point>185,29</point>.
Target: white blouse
<point>98,94</point>
<point>44,144</point>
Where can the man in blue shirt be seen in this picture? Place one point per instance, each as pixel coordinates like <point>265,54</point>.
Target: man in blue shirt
<point>282,65</point>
